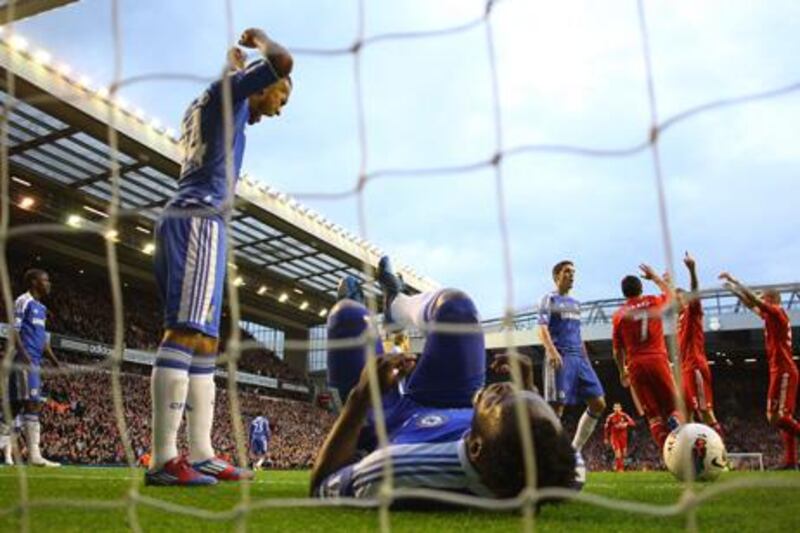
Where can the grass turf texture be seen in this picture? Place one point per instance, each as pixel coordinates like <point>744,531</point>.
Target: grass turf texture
<point>747,510</point>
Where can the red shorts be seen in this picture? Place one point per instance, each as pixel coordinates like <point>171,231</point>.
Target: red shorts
<point>782,393</point>
<point>651,381</point>
<point>619,442</point>
<point>697,392</point>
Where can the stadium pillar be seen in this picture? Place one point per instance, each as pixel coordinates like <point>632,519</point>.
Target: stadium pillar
<point>295,354</point>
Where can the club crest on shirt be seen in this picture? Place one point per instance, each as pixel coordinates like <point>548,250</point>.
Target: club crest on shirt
<point>431,421</point>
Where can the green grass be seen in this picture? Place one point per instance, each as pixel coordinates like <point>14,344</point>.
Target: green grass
<point>759,510</point>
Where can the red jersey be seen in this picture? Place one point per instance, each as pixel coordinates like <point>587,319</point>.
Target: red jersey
<point>777,337</point>
<point>691,338</point>
<point>638,328</point>
<point>617,424</point>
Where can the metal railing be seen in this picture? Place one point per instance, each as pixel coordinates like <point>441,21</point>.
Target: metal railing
<point>715,302</point>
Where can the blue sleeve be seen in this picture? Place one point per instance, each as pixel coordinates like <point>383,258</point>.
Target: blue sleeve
<point>544,311</point>
<point>253,79</point>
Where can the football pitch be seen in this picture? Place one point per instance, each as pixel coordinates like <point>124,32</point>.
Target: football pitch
<point>754,509</point>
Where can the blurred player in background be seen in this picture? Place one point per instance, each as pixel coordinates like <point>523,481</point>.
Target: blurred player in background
<point>616,435</point>
<point>695,373</point>
<point>569,378</point>
<point>446,430</point>
<point>33,343</point>
<point>191,261</point>
<point>641,353</point>
<point>5,444</point>
<point>259,441</point>
<point>783,375</point>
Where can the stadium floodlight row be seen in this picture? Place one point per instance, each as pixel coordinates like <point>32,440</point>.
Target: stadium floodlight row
<point>288,256</point>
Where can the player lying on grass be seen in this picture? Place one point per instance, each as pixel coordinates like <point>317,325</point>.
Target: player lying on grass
<point>446,429</point>
<point>616,435</point>
<point>783,375</point>
<point>191,260</point>
<point>641,353</point>
<point>695,373</point>
<point>569,378</point>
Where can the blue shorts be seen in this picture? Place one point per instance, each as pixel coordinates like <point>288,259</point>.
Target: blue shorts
<point>575,383</point>
<point>25,385</point>
<point>190,265</point>
<point>259,446</point>
<point>450,370</point>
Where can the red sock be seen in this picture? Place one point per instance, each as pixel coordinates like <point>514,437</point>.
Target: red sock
<point>716,426</point>
<point>619,464</point>
<point>789,447</point>
<point>787,423</point>
<point>660,431</point>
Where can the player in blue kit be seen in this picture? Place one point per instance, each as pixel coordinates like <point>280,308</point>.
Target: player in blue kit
<point>446,430</point>
<point>190,262</point>
<point>259,440</point>
<point>33,343</point>
<point>569,378</point>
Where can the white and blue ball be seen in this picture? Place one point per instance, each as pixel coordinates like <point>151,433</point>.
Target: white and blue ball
<point>695,451</point>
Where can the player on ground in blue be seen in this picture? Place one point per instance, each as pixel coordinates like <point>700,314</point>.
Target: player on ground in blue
<point>446,430</point>
<point>33,342</point>
<point>259,440</point>
<point>569,378</point>
<point>190,262</point>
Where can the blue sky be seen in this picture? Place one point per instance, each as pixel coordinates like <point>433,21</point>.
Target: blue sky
<point>569,73</point>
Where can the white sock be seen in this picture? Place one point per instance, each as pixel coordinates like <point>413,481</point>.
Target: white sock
<point>410,310</point>
<point>168,388</point>
<point>9,456</point>
<point>200,408</point>
<point>259,463</point>
<point>33,431</point>
<point>586,426</point>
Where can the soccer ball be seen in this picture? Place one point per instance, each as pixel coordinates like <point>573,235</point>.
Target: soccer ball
<point>695,450</point>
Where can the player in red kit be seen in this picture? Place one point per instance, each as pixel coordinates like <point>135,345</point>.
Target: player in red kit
<point>783,375</point>
<point>641,353</point>
<point>616,435</point>
<point>695,373</point>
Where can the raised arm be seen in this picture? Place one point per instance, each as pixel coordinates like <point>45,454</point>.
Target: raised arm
<point>694,283</point>
<point>280,58</point>
<point>650,274</point>
<point>748,297</point>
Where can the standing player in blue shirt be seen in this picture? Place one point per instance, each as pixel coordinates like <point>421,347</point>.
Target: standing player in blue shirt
<point>33,342</point>
<point>446,430</point>
<point>259,440</point>
<point>191,260</point>
<point>569,378</point>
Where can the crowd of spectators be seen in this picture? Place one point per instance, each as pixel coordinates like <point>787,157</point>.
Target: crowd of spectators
<point>80,306</point>
<point>80,425</point>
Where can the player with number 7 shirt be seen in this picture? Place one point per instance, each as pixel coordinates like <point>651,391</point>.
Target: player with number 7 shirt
<point>641,353</point>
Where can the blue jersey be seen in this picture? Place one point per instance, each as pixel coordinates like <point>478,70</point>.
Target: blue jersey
<point>562,316</point>
<point>418,424</point>
<point>203,179</point>
<point>259,428</point>
<point>30,317</point>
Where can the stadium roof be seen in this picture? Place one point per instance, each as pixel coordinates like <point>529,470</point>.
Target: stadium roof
<point>13,10</point>
<point>58,140</point>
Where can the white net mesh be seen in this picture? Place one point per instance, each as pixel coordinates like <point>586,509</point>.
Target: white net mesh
<point>16,57</point>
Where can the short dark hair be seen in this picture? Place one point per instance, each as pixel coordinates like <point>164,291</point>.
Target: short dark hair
<point>631,286</point>
<point>560,266</point>
<point>31,275</point>
<point>555,457</point>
